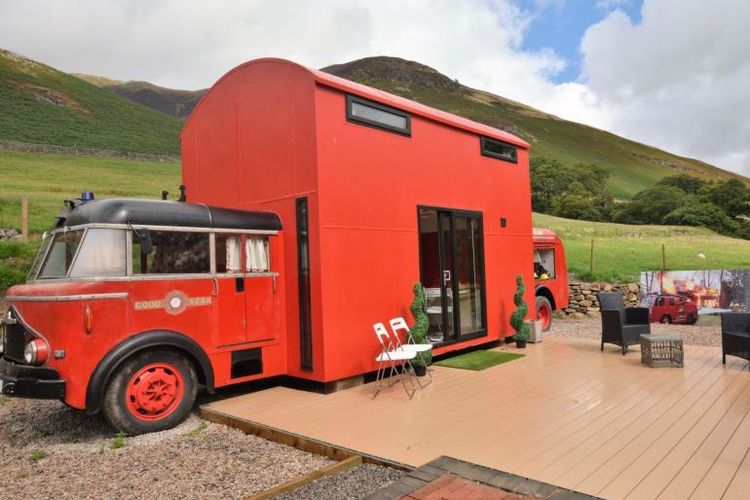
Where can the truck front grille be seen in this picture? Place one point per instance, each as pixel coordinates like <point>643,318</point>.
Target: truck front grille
<point>15,342</point>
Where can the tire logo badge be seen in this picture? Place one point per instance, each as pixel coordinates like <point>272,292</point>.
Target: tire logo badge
<point>175,302</point>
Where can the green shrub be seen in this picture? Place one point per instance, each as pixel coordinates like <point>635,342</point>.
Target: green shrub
<point>518,318</point>
<point>704,215</point>
<point>16,258</point>
<point>37,455</point>
<point>118,441</point>
<point>421,325</point>
<point>650,206</point>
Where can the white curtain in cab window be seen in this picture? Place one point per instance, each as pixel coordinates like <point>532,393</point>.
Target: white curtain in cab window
<point>256,254</point>
<point>234,255</point>
<point>102,253</point>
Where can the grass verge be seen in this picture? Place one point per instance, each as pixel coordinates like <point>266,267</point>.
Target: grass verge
<point>479,360</point>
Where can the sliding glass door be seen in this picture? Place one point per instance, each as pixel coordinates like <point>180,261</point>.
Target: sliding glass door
<point>452,272</point>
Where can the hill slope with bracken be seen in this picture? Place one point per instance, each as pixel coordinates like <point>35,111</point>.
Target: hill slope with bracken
<point>176,103</point>
<point>40,104</point>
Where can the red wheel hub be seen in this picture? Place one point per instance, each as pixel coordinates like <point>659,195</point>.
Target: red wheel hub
<point>544,314</point>
<point>154,391</point>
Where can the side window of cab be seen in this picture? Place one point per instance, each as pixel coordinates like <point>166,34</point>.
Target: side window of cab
<point>228,253</point>
<point>173,252</point>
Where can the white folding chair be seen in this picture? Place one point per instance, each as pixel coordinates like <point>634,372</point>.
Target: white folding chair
<point>410,345</point>
<point>389,357</point>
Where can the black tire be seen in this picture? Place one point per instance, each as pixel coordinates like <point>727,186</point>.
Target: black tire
<point>692,319</point>
<point>117,410</point>
<point>666,319</point>
<point>542,301</point>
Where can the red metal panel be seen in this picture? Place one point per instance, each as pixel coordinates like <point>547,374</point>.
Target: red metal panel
<point>371,182</point>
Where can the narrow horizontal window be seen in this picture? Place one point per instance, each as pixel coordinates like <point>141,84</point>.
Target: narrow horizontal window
<point>499,149</point>
<point>376,115</point>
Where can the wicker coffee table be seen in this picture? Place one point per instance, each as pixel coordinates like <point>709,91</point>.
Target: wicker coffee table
<point>662,350</point>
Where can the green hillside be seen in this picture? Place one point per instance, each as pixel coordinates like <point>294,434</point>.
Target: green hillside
<point>42,105</point>
<point>633,166</point>
<point>622,251</point>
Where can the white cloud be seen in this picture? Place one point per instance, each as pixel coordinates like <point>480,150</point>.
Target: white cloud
<point>679,79</point>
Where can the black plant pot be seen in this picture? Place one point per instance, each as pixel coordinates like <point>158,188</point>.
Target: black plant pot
<point>521,344</point>
<point>420,370</point>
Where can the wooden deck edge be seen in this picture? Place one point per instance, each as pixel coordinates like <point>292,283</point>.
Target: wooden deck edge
<point>300,442</point>
<point>294,484</point>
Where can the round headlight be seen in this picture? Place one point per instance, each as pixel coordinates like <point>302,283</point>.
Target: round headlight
<point>36,352</point>
<point>30,352</point>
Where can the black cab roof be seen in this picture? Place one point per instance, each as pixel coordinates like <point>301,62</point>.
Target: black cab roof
<point>167,213</point>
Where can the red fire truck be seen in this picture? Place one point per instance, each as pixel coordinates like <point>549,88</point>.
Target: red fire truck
<point>314,206</point>
<point>550,274</point>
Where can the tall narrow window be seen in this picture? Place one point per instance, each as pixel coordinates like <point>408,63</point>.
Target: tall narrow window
<point>303,277</point>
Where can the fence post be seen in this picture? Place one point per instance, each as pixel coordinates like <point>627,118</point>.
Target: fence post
<point>591,268</point>
<point>25,217</point>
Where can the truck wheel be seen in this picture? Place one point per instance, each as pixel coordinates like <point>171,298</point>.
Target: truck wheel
<point>666,319</point>
<point>692,319</point>
<point>150,392</point>
<point>544,312</point>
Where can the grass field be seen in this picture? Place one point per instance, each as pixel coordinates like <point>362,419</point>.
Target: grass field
<point>50,179</point>
<point>622,251</point>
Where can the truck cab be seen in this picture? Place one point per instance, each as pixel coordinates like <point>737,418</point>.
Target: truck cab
<point>131,304</point>
<point>550,275</point>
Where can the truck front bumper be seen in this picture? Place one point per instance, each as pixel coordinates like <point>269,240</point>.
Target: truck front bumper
<point>23,381</point>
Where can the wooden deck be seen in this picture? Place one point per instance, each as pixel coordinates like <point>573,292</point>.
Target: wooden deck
<point>565,414</point>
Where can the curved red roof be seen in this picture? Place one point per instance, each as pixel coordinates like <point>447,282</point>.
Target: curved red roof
<point>382,97</point>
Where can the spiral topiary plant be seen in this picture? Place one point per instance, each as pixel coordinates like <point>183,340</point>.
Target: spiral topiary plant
<point>421,325</point>
<point>518,318</point>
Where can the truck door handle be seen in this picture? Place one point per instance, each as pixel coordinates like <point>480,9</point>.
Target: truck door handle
<point>446,276</point>
<point>214,286</point>
<point>239,283</point>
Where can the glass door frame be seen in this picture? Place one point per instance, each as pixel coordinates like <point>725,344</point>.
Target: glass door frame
<point>454,285</point>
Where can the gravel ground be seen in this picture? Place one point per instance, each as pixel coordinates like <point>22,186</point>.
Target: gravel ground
<point>355,483</point>
<point>591,328</point>
<point>50,451</point>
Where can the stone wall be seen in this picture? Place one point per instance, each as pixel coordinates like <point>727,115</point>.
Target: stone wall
<point>26,147</point>
<point>583,301</point>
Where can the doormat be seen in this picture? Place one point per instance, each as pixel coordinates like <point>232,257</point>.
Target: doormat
<point>479,360</point>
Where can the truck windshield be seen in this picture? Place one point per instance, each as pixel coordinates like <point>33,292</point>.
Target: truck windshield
<point>60,251</point>
<point>102,252</point>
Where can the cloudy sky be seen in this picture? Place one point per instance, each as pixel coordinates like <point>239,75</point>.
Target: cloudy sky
<point>672,73</point>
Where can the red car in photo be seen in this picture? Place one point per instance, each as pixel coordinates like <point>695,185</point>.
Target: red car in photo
<point>671,309</point>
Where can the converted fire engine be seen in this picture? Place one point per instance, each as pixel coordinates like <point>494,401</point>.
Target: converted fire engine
<point>313,206</point>
<point>550,274</point>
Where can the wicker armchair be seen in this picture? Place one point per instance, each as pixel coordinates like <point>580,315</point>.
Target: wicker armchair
<point>735,336</point>
<point>622,325</point>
